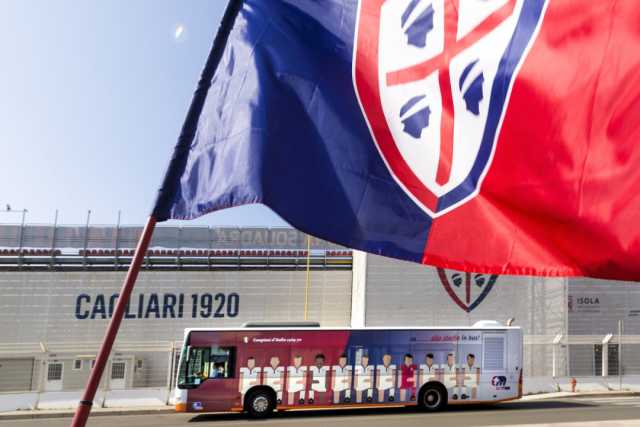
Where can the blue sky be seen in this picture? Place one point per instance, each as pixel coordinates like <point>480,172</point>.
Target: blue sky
<point>93,95</point>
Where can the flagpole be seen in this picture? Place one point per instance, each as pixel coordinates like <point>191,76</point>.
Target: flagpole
<point>306,285</point>
<point>84,406</point>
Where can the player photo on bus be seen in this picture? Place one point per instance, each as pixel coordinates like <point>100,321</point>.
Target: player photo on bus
<point>319,372</point>
<point>341,380</point>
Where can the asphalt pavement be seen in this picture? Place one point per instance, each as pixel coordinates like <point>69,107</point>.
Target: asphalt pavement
<point>584,412</point>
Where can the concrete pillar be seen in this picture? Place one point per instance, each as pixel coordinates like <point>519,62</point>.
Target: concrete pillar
<point>554,355</point>
<point>170,369</point>
<point>605,355</point>
<point>359,289</point>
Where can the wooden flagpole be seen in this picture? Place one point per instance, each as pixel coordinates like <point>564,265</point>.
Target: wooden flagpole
<point>307,281</point>
<point>171,180</point>
<point>84,406</point>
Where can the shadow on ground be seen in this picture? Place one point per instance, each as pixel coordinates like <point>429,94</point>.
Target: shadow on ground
<point>550,405</point>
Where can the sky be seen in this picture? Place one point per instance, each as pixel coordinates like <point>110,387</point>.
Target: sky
<point>92,96</point>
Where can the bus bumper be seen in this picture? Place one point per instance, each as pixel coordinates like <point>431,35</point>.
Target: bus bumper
<point>180,400</point>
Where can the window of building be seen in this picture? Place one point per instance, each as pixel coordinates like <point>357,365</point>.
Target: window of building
<point>77,364</point>
<point>117,370</point>
<point>54,371</point>
<point>612,363</point>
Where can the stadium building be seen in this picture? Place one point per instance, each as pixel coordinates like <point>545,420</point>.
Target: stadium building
<point>59,284</point>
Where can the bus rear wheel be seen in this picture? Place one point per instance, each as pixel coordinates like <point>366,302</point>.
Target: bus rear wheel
<point>260,404</point>
<point>432,398</point>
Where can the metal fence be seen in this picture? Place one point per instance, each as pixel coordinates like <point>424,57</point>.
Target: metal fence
<point>72,238</point>
<point>71,248</point>
<point>40,370</point>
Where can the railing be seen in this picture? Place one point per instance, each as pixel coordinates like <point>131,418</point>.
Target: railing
<point>54,247</point>
<point>189,259</point>
<point>548,360</point>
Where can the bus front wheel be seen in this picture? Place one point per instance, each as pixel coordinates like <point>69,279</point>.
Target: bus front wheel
<point>260,404</point>
<point>433,397</point>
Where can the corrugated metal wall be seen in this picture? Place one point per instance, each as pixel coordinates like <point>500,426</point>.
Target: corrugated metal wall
<point>594,308</point>
<point>51,307</point>
<point>402,293</point>
<point>67,311</point>
<point>62,316</point>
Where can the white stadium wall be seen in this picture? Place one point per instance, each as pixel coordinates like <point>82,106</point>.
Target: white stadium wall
<point>402,293</point>
<point>596,307</point>
<point>575,313</point>
<point>55,300</point>
<point>57,318</point>
<point>71,307</point>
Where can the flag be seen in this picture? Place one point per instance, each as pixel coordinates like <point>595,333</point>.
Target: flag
<point>497,137</point>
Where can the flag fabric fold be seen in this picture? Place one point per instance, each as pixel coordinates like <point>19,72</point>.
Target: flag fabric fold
<point>494,137</point>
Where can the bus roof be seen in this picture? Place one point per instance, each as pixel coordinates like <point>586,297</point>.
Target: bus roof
<point>492,327</point>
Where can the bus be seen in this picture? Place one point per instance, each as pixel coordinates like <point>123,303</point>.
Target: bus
<point>260,368</point>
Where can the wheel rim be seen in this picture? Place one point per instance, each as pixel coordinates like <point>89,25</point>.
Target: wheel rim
<point>432,398</point>
<point>260,404</point>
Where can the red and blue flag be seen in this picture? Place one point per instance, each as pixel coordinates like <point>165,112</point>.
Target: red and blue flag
<point>494,136</point>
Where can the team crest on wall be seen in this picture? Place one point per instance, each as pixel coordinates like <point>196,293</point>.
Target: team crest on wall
<point>467,290</point>
<point>433,78</point>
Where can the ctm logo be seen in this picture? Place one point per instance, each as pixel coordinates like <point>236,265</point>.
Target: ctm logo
<point>433,78</point>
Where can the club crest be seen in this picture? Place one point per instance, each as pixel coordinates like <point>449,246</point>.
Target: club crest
<point>467,290</point>
<point>433,78</point>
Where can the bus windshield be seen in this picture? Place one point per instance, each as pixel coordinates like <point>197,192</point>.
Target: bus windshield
<point>198,364</point>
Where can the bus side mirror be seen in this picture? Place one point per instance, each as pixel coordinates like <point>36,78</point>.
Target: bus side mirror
<point>188,353</point>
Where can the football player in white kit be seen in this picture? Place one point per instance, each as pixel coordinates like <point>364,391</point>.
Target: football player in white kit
<point>451,376</point>
<point>341,380</point>
<point>364,379</point>
<point>297,380</point>
<point>318,378</point>
<point>428,371</point>
<point>249,376</point>
<point>470,379</point>
<point>274,377</point>
<point>386,379</point>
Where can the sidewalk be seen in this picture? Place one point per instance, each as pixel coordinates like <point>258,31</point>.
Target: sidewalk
<point>578,394</point>
<point>64,413</point>
<point>164,409</point>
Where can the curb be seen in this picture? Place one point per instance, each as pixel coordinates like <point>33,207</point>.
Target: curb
<point>604,394</point>
<point>68,414</point>
<point>20,415</point>
<point>577,395</point>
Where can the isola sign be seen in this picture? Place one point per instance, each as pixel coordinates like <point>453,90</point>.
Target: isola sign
<point>160,306</point>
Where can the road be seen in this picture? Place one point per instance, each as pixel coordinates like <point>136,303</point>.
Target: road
<point>582,412</point>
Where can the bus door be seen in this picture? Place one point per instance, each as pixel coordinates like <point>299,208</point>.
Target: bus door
<point>211,378</point>
<point>118,377</point>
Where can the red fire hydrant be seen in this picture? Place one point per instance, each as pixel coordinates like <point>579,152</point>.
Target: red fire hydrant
<point>573,383</point>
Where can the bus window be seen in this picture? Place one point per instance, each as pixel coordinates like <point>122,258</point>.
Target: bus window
<point>222,362</point>
<point>202,363</point>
